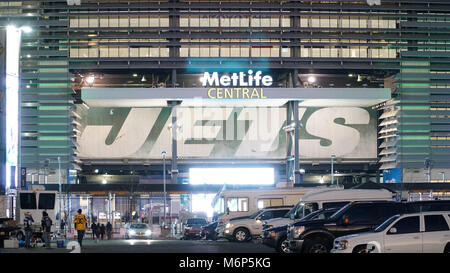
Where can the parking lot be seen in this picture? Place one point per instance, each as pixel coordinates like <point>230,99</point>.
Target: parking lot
<point>155,246</point>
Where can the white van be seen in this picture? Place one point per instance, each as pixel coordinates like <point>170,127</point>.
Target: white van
<point>35,202</point>
<point>229,204</point>
<point>329,197</point>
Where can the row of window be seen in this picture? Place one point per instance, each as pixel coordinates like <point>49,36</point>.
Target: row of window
<point>412,224</point>
<point>231,21</point>
<point>235,204</point>
<point>231,51</point>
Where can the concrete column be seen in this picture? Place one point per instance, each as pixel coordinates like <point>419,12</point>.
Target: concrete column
<point>174,142</point>
<point>295,78</point>
<point>296,143</point>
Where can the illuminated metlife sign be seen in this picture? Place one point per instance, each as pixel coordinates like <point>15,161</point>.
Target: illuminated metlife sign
<point>240,79</point>
<point>237,85</point>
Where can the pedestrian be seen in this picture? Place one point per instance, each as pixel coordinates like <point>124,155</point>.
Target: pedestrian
<point>28,223</point>
<point>62,225</point>
<point>46,224</point>
<point>102,230</point>
<point>109,230</point>
<point>98,231</point>
<point>80,225</point>
<point>94,230</point>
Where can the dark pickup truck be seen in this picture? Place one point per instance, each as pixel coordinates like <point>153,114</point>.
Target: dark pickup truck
<point>317,236</point>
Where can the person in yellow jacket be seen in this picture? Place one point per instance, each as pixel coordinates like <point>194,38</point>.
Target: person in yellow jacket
<point>80,225</point>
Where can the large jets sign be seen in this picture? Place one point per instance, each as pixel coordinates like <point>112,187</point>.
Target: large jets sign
<point>347,132</point>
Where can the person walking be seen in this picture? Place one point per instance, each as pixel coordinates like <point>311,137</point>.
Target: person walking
<point>94,230</point>
<point>27,223</point>
<point>80,222</point>
<point>102,230</point>
<point>109,230</point>
<point>46,224</point>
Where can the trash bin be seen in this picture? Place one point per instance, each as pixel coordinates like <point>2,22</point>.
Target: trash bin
<point>60,243</point>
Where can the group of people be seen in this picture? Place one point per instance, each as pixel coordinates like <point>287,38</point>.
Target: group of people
<point>99,231</point>
<point>80,223</point>
<point>46,224</point>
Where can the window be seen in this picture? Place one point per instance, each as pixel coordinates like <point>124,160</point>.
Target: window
<point>407,225</point>
<point>435,223</point>
<point>310,207</point>
<point>387,210</point>
<point>330,205</point>
<point>46,201</point>
<point>266,215</point>
<point>28,200</point>
<point>362,214</point>
<point>235,204</point>
<point>279,213</point>
<point>263,203</point>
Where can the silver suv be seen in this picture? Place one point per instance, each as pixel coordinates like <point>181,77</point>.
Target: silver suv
<point>242,229</point>
<point>426,232</point>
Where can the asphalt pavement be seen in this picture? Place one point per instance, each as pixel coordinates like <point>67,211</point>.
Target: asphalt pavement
<point>151,246</point>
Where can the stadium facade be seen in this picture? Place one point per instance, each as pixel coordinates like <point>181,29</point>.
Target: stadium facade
<point>105,86</point>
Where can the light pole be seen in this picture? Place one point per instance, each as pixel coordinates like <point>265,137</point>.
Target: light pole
<point>59,189</point>
<point>332,170</point>
<point>164,182</point>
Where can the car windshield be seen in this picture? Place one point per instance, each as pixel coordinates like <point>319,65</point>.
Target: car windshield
<point>198,221</point>
<point>386,223</point>
<point>138,226</point>
<point>255,214</point>
<point>289,213</point>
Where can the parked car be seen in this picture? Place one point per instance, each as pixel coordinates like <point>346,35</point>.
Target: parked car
<point>276,236</point>
<point>137,230</point>
<point>426,232</point>
<point>356,217</point>
<point>245,228</point>
<point>193,228</point>
<point>209,231</point>
<point>328,197</point>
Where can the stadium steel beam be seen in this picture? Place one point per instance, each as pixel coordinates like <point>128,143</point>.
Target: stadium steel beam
<point>174,128</point>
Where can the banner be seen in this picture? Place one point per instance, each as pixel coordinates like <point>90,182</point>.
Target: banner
<point>233,132</point>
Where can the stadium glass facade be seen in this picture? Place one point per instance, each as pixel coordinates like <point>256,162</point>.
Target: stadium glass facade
<point>400,45</point>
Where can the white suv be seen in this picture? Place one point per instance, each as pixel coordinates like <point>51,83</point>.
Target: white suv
<point>426,232</point>
<point>244,228</point>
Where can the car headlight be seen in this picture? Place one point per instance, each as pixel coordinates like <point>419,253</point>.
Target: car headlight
<point>228,225</point>
<point>342,244</point>
<point>298,231</point>
<point>132,232</point>
<point>148,232</point>
<point>187,228</point>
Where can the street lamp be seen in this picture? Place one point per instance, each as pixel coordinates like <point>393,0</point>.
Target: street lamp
<point>164,182</point>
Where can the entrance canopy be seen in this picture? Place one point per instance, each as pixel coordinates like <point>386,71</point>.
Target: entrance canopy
<point>222,96</point>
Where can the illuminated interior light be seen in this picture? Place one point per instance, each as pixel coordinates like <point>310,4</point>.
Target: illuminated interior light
<point>104,181</point>
<point>311,79</point>
<point>240,176</point>
<point>90,79</point>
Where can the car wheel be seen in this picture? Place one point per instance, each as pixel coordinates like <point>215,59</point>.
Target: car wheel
<point>282,246</point>
<point>447,249</point>
<point>241,235</point>
<point>360,249</point>
<point>317,245</point>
